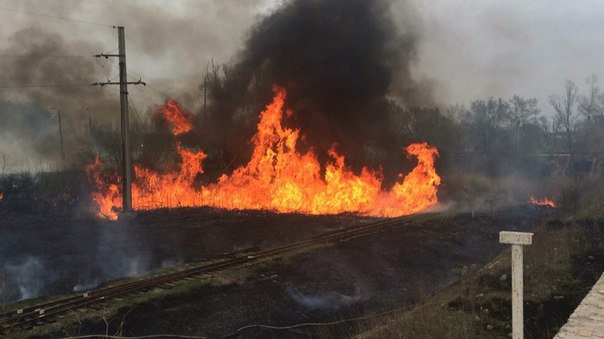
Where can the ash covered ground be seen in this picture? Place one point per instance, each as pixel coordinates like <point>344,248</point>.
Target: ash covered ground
<point>51,255</point>
<point>46,254</point>
<point>363,276</point>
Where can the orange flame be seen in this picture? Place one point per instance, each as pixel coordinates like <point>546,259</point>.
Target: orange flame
<point>1,196</point>
<point>543,202</point>
<point>181,123</point>
<point>277,178</point>
<point>107,195</point>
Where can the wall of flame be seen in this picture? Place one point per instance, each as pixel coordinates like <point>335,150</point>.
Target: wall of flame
<point>277,177</point>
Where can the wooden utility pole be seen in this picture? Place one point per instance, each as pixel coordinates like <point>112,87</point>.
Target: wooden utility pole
<point>89,122</point>
<point>205,94</point>
<point>126,154</point>
<point>125,121</point>
<point>61,137</point>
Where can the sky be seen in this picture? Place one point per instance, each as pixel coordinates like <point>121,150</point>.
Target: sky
<point>468,49</point>
<point>168,46</point>
<point>478,49</point>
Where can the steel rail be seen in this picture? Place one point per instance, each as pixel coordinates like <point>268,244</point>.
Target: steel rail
<point>46,310</point>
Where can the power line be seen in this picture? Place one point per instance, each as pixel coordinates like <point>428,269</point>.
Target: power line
<point>159,91</point>
<point>142,337</point>
<point>143,94</point>
<point>47,85</point>
<point>46,56</point>
<point>144,50</point>
<point>54,17</point>
<point>332,323</point>
<point>137,118</point>
<point>148,85</point>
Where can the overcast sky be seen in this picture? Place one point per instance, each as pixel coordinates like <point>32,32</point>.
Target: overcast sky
<point>470,49</point>
<point>498,48</point>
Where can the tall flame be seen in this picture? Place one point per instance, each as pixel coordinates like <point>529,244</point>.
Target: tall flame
<point>277,177</point>
<point>181,123</point>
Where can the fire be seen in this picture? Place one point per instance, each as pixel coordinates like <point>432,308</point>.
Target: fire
<point>1,196</point>
<point>107,196</point>
<point>543,202</point>
<point>277,177</point>
<point>181,123</point>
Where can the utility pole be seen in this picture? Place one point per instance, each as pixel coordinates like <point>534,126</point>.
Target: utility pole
<point>89,122</point>
<point>125,121</point>
<point>205,96</point>
<point>61,137</point>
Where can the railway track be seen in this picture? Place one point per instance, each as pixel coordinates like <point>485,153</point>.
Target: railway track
<point>44,311</point>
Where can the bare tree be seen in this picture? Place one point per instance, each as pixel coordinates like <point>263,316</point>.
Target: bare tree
<point>590,105</point>
<point>520,113</point>
<point>486,118</point>
<point>566,116</point>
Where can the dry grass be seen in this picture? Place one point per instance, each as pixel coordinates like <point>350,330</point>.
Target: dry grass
<point>430,319</point>
<point>591,199</point>
<point>479,305</point>
<point>480,192</point>
<point>580,197</point>
<point>548,261</point>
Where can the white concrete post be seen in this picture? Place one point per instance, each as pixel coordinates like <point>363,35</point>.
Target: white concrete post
<point>517,240</point>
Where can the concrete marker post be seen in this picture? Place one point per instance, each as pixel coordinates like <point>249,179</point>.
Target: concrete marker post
<point>517,240</point>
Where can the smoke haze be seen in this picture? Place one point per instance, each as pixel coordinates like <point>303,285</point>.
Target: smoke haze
<point>429,53</point>
<point>339,61</point>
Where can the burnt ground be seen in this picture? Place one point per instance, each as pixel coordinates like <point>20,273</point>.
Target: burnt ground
<point>362,276</point>
<point>49,253</point>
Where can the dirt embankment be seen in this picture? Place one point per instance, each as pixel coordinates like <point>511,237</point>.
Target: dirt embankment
<point>561,266</point>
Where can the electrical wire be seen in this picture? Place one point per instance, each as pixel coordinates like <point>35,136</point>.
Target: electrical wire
<point>139,337</point>
<point>130,70</point>
<point>46,85</point>
<point>55,17</point>
<point>83,84</point>
<point>337,322</point>
<point>144,50</point>
<point>147,82</point>
<point>35,56</point>
<point>137,119</point>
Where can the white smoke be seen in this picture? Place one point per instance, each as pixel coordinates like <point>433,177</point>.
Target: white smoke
<point>29,277</point>
<point>326,301</point>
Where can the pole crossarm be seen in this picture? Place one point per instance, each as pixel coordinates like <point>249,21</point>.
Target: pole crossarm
<point>107,56</point>
<point>138,82</point>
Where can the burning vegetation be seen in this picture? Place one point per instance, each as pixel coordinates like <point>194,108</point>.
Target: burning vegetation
<point>324,110</point>
<point>278,177</point>
<point>543,202</point>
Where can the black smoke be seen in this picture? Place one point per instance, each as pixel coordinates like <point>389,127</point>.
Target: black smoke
<point>342,62</point>
<point>44,74</point>
<point>46,69</point>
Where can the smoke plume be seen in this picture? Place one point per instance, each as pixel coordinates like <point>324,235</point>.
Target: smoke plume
<point>42,76</point>
<point>340,60</point>
<point>344,64</point>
